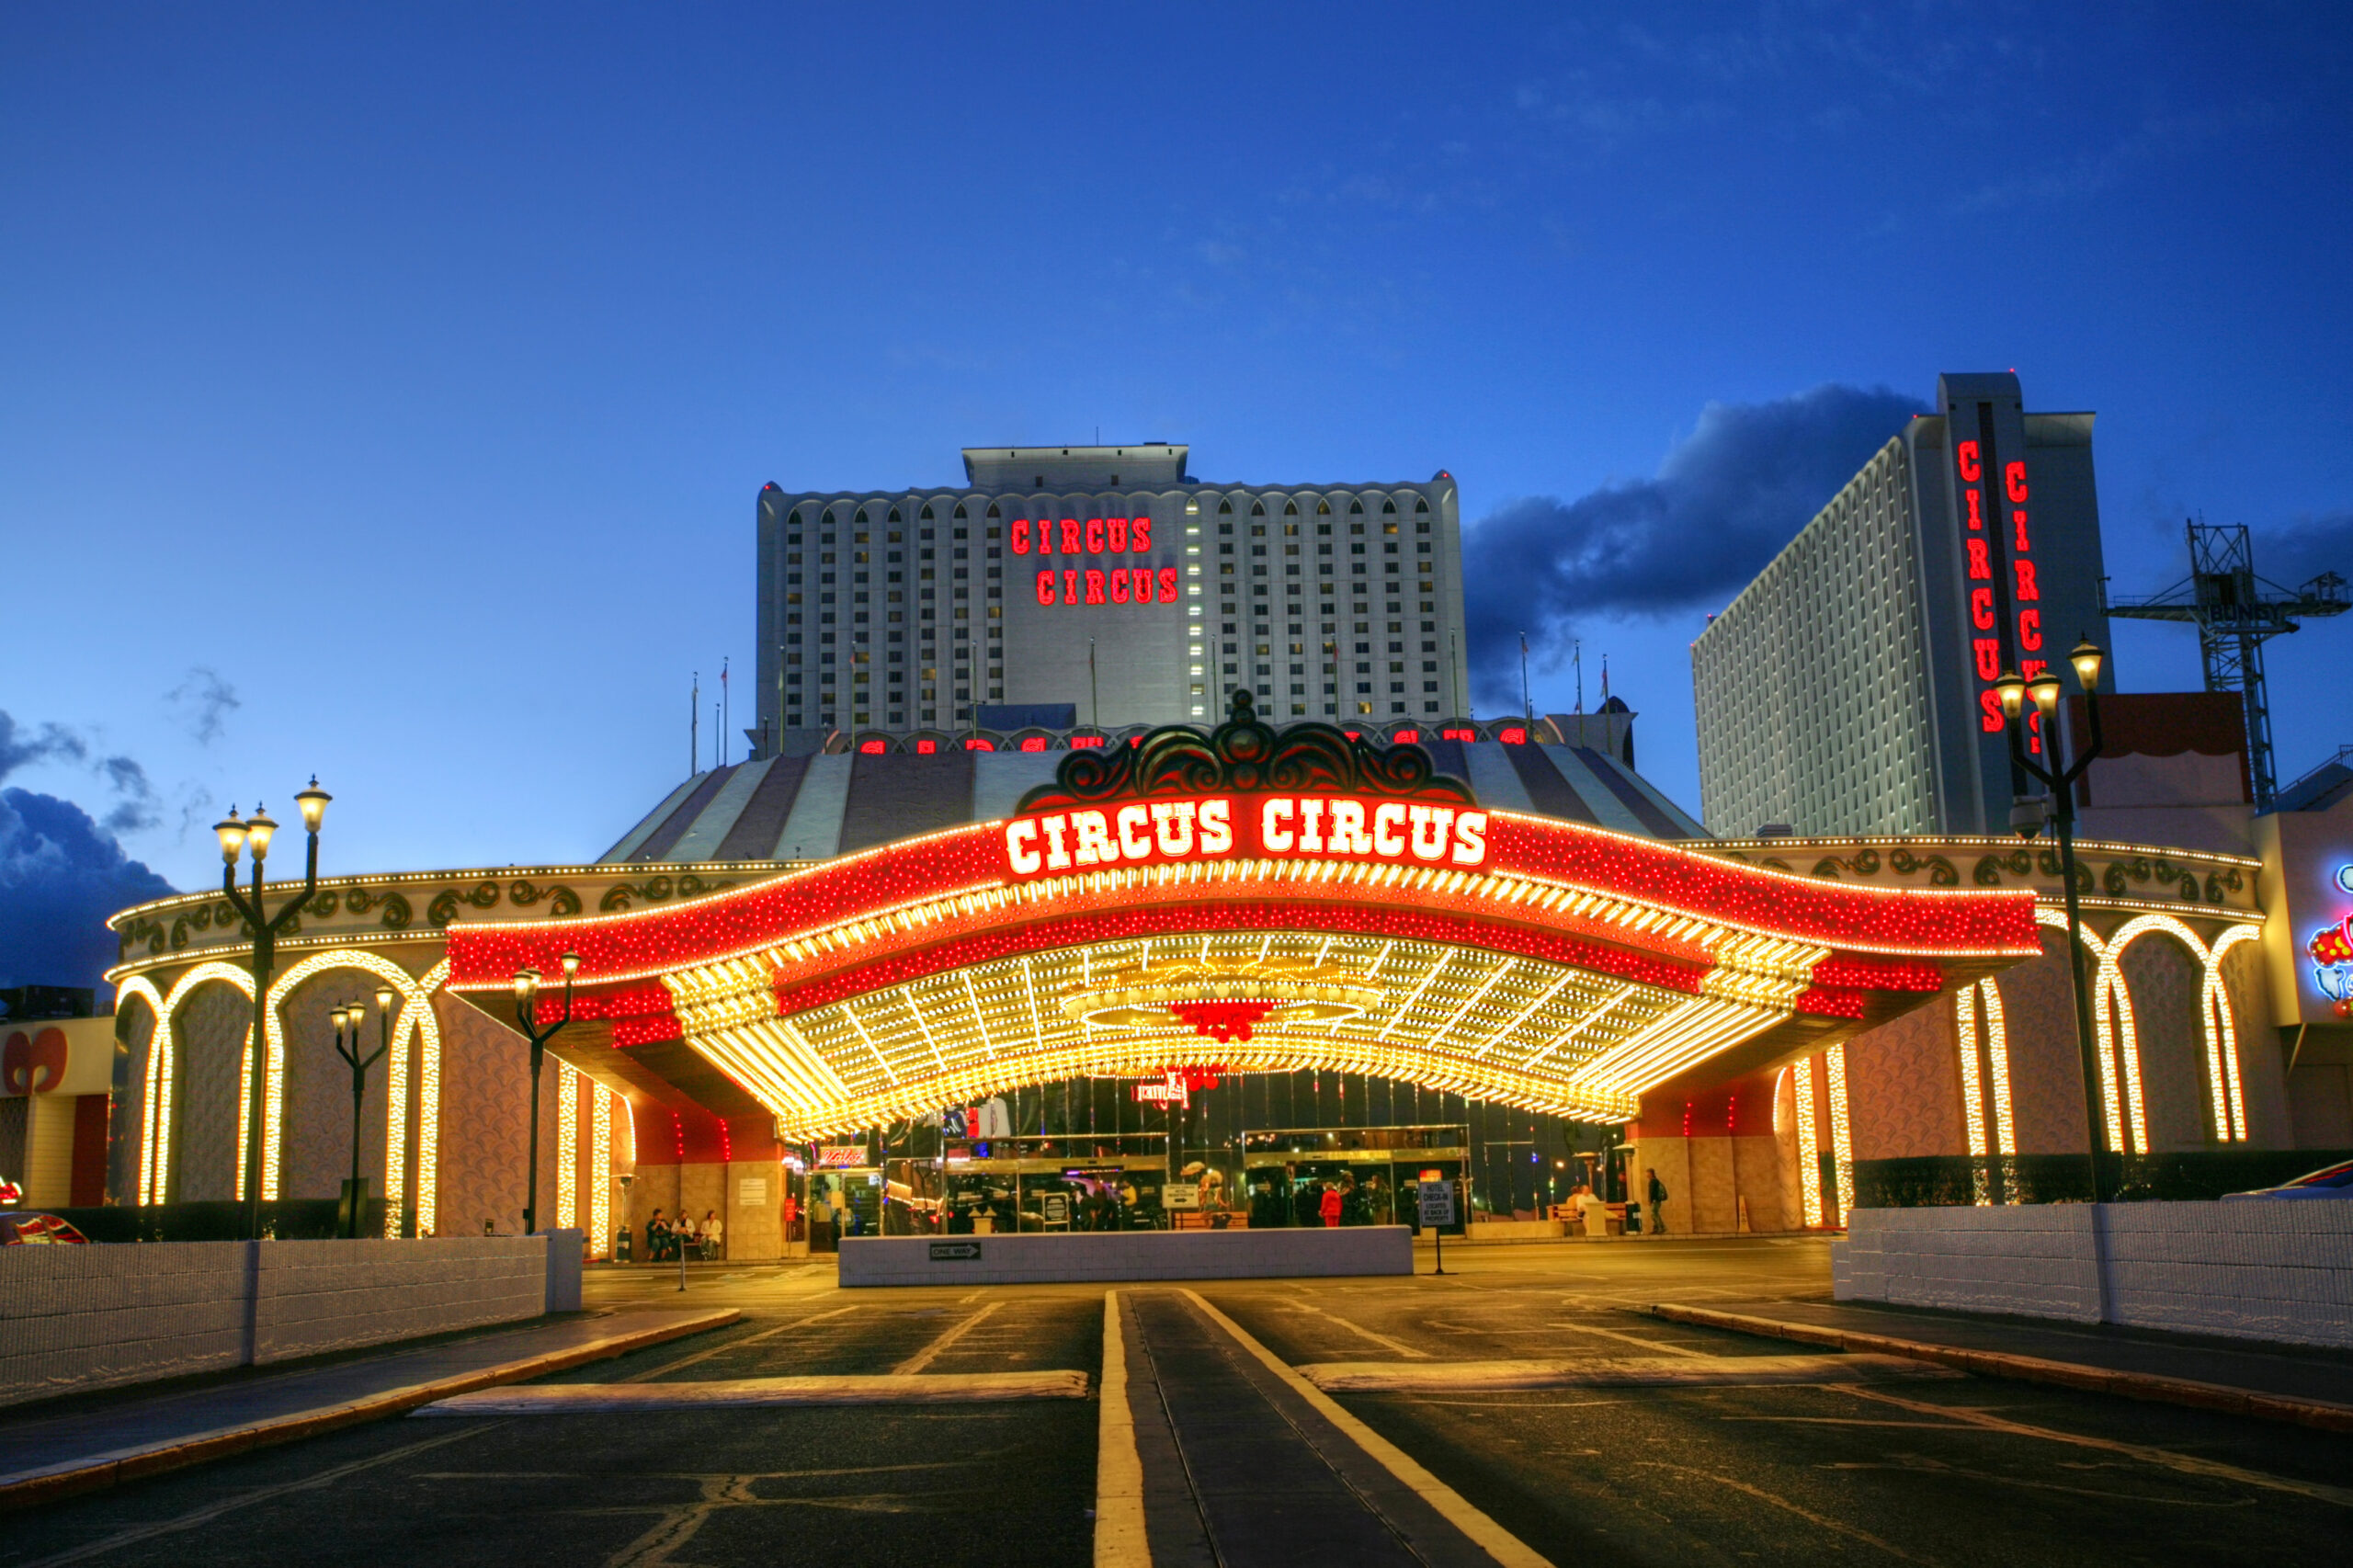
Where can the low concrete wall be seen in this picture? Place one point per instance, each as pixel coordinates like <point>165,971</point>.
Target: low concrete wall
<point>75,1318</point>
<point>1125,1254</point>
<point>2278,1271</point>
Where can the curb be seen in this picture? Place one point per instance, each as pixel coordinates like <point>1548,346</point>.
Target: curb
<point>31,1488</point>
<point>2152,1386</point>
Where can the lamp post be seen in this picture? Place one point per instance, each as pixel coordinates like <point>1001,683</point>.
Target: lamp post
<point>252,836</point>
<point>2060,778</point>
<point>527,1013</point>
<point>354,1195</point>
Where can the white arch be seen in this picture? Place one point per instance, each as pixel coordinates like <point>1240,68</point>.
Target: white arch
<point>164,1053</point>
<point>416,1022</point>
<point>2118,1041</point>
<point>139,987</point>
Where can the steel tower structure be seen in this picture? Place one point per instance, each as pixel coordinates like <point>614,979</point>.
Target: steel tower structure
<point>2235,613</point>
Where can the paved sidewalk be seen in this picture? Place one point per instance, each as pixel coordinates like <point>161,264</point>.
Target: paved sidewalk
<point>98,1442</point>
<point>2307,1388</point>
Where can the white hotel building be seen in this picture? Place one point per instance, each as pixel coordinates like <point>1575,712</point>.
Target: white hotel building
<point>1075,586</point>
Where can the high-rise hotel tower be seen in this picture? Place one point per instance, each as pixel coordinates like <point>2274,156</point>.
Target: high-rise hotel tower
<point>1104,585</point>
<point>1849,689</point>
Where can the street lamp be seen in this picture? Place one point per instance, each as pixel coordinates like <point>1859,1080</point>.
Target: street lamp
<point>2043,689</point>
<point>355,1196</point>
<point>527,1013</point>
<point>252,836</point>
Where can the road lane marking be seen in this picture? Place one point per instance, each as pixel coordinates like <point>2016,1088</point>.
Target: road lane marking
<point>1121,1540</point>
<point>211,1511</point>
<point>1835,1526</point>
<point>933,1351</point>
<point>1399,1346</point>
<point>724,1394</point>
<point>650,1373</point>
<point>1497,1543</point>
<point>2187,1464</point>
<point>1668,1346</point>
<point>1622,1372</point>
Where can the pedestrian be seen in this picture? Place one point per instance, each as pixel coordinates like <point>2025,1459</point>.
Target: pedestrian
<point>1657,1192</point>
<point>710,1236</point>
<point>1330,1207</point>
<point>658,1229</point>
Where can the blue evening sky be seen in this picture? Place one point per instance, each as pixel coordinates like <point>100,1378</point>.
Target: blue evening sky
<point>384,390</point>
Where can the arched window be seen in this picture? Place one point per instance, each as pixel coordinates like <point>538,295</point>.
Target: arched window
<point>1291,508</point>
<point>1421,505</point>
<point>1258,508</point>
<point>960,508</point>
<point>1355,507</point>
<point>1387,507</point>
<point>1322,508</point>
<point>894,514</point>
<point>923,515</point>
<point>1224,506</point>
<point>993,511</point>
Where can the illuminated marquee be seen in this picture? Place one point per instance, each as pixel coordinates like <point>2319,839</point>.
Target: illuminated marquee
<point>1271,826</point>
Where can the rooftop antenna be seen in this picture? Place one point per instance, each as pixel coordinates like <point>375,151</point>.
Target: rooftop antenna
<point>2235,613</point>
<point>1526,703</point>
<point>1577,657</point>
<point>694,728</point>
<point>725,709</point>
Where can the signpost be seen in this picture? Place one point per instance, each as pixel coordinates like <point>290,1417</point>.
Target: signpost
<point>1438,1212</point>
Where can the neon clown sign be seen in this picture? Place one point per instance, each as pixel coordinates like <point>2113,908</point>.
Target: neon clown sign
<point>1266,826</point>
<point>2331,950</point>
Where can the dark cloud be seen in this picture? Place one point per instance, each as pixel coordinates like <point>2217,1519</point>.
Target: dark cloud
<point>203,702</point>
<point>2294,554</point>
<point>1726,499</point>
<point>139,808</point>
<point>22,748</point>
<point>60,875</point>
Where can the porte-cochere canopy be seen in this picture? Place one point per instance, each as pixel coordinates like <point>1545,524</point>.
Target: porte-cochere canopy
<point>1258,902</point>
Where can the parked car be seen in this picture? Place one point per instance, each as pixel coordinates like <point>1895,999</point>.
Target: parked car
<point>2329,1181</point>
<point>39,1229</point>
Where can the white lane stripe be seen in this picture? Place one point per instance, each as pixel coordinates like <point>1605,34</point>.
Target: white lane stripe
<point>938,1388</point>
<point>1490,1537</point>
<point>1622,1372</point>
<point>650,1373</point>
<point>933,1351</point>
<point>211,1511</point>
<point>1382,1340</point>
<point>1121,1540</point>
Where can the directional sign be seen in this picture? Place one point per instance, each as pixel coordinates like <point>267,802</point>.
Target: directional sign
<point>1438,1203</point>
<point>955,1252</point>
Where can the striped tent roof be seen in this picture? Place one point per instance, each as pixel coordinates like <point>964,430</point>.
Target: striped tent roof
<point>812,808</point>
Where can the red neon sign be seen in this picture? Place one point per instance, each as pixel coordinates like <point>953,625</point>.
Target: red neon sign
<point>1091,536</point>
<point>1272,826</point>
<point>1095,586</point>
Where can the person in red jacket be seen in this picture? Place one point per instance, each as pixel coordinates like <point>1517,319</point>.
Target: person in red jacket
<point>1330,1208</point>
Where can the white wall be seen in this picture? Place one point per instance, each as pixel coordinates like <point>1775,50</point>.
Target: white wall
<point>1126,1254</point>
<point>2256,1269</point>
<point>74,1318</point>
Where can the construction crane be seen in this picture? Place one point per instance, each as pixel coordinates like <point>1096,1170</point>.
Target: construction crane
<point>2235,612</point>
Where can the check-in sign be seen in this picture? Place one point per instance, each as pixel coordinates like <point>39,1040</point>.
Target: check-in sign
<point>1438,1203</point>
<point>955,1252</point>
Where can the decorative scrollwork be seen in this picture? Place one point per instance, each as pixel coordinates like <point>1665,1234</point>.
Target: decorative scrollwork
<point>325,904</point>
<point>653,889</point>
<point>562,901</point>
<point>443,909</point>
<point>1987,873</point>
<point>1244,753</point>
<point>397,914</point>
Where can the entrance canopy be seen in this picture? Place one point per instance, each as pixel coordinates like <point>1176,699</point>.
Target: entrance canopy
<point>1254,902</point>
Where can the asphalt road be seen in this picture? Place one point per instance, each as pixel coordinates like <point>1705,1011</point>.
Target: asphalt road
<point>1937,1470</point>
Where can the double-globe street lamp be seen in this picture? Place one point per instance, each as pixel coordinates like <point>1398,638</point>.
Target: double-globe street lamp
<point>349,1018</point>
<point>252,836</point>
<point>2060,778</point>
<point>527,1013</point>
